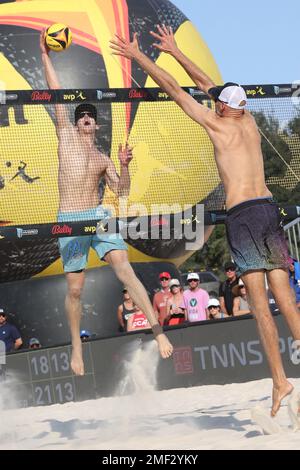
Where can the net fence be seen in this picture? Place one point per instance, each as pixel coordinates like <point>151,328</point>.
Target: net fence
<point>173,161</point>
<point>45,170</point>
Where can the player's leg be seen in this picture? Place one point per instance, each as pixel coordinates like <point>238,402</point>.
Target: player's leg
<point>259,304</point>
<point>73,307</point>
<point>118,260</point>
<point>74,252</point>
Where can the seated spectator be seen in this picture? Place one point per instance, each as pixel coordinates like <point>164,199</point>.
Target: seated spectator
<point>9,333</point>
<point>137,321</point>
<point>214,310</point>
<point>240,302</point>
<point>195,300</point>
<point>85,335</point>
<point>175,313</point>
<point>34,343</point>
<point>126,309</point>
<point>294,276</point>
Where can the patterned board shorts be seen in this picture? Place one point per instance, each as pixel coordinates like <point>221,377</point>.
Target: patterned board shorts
<point>74,251</point>
<point>256,237</point>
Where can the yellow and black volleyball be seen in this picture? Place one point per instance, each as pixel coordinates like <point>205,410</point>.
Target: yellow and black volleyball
<point>58,37</point>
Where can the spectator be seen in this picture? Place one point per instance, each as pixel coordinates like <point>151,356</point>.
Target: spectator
<point>225,292</point>
<point>214,310</point>
<point>126,309</point>
<point>175,313</point>
<point>34,343</point>
<point>85,335</point>
<point>137,321</point>
<point>195,300</point>
<point>161,297</point>
<point>240,302</point>
<point>294,278</point>
<point>9,333</point>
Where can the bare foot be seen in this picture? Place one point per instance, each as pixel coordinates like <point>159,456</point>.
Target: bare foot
<point>164,346</point>
<point>77,365</point>
<point>279,394</point>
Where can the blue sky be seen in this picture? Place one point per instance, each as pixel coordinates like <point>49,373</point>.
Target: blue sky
<point>252,42</point>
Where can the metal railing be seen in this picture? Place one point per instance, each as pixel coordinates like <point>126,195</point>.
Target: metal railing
<point>293,234</point>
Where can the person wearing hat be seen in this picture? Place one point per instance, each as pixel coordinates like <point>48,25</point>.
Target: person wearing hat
<point>253,223</point>
<point>195,300</point>
<point>9,334</point>
<point>225,291</point>
<point>82,165</point>
<point>240,302</point>
<point>161,297</point>
<point>214,310</point>
<point>175,312</point>
<point>34,343</point>
<point>85,335</point>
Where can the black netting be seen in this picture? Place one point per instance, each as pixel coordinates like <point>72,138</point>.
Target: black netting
<point>173,164</point>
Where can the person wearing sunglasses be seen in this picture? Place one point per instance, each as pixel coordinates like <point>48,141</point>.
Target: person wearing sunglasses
<point>195,300</point>
<point>160,299</point>
<point>9,334</point>
<point>214,310</point>
<point>175,312</point>
<point>225,291</point>
<point>240,302</point>
<point>81,168</point>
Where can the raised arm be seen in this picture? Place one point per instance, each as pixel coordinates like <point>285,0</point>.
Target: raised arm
<point>61,112</point>
<point>120,185</point>
<point>191,107</point>
<point>168,44</point>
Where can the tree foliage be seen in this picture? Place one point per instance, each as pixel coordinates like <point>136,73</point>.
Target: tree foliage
<point>215,252</point>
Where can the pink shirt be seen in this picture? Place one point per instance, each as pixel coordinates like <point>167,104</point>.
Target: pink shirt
<point>195,302</point>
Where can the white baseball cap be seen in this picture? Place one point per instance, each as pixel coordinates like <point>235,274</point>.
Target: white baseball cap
<point>234,96</point>
<point>213,303</point>
<point>193,276</point>
<point>231,94</point>
<point>174,282</point>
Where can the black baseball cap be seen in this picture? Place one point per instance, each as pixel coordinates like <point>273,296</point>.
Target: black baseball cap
<point>229,265</point>
<point>85,108</point>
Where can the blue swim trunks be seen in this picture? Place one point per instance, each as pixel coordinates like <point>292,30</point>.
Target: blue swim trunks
<point>74,251</point>
<point>256,237</point>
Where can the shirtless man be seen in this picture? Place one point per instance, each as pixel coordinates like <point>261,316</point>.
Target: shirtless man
<point>81,166</point>
<point>253,227</point>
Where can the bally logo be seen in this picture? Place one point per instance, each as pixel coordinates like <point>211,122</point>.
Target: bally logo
<point>61,229</point>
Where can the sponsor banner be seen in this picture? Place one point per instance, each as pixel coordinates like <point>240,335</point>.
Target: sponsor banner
<point>187,224</point>
<point>123,95</point>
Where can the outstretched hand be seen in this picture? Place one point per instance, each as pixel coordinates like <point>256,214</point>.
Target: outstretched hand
<point>43,46</point>
<point>125,154</point>
<point>166,37</point>
<point>122,47</point>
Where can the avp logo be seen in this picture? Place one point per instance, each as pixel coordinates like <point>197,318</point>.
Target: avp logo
<point>78,95</point>
<point>91,229</point>
<point>295,357</point>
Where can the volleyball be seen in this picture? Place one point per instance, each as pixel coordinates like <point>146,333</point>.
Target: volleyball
<point>58,37</point>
